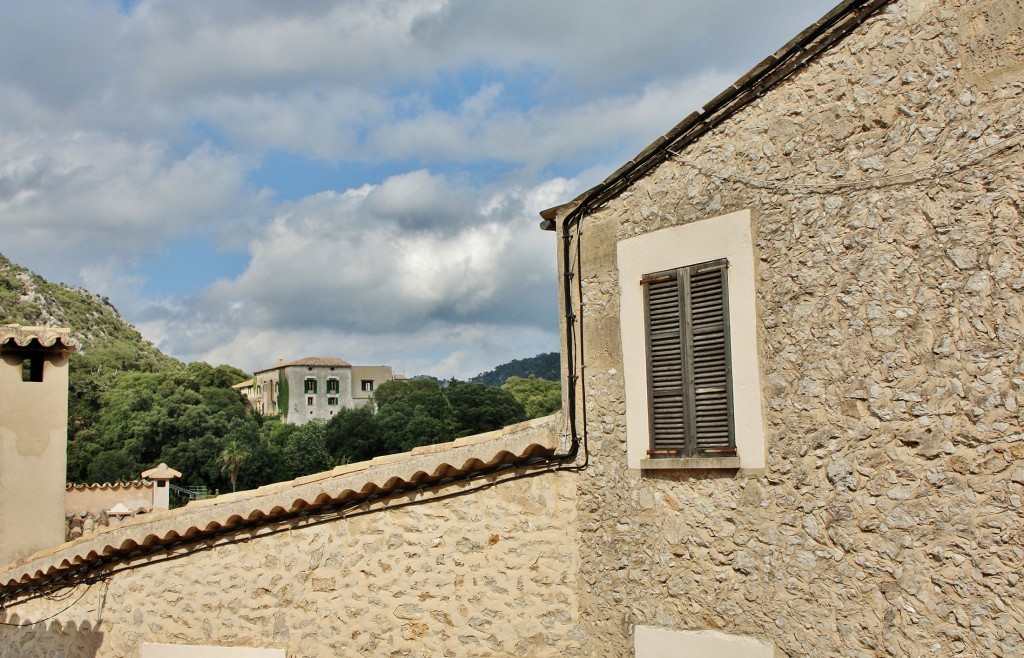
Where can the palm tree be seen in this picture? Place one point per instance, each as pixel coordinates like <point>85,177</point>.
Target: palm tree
<point>232,458</point>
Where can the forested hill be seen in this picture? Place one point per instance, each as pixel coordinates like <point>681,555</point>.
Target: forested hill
<point>543,366</point>
<point>28,299</point>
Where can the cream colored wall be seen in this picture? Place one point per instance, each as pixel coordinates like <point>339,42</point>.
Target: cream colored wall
<point>660,643</point>
<point>97,499</point>
<point>378,374</point>
<point>488,572</point>
<point>33,456</point>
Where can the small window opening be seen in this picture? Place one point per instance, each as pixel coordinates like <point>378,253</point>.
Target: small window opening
<point>32,369</point>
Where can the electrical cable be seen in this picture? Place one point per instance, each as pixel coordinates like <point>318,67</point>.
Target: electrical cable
<point>46,619</point>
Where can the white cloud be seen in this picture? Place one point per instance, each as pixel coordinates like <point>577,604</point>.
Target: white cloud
<point>75,195</point>
<point>339,268</point>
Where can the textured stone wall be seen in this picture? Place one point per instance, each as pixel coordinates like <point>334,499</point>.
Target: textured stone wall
<point>491,572</point>
<point>887,190</point>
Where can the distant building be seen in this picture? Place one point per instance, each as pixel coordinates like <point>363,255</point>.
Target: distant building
<point>314,387</point>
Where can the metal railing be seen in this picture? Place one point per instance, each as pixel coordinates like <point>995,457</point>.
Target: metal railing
<point>181,496</point>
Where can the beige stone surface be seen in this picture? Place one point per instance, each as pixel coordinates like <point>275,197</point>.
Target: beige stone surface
<point>886,185</point>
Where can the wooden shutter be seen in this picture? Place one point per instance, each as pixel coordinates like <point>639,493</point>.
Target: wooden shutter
<point>689,384</point>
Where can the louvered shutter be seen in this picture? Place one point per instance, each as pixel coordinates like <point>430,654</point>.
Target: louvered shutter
<point>688,361</point>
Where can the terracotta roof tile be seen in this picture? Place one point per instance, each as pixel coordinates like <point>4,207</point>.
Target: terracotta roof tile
<point>47,336</point>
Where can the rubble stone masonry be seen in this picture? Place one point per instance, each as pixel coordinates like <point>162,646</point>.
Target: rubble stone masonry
<point>492,572</point>
<point>886,187</point>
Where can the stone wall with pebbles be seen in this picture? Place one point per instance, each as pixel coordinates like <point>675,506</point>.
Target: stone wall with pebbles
<point>491,572</point>
<point>886,184</point>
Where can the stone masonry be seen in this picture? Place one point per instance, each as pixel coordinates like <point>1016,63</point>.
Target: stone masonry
<point>886,186</point>
<point>491,572</point>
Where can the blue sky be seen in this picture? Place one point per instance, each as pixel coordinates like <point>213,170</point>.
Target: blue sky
<point>248,181</point>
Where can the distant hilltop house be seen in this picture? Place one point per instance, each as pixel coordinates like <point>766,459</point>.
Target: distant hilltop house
<point>313,387</point>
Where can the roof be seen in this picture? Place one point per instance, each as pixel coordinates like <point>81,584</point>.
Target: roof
<point>843,19</point>
<point>365,485</point>
<point>50,337</point>
<point>161,472</point>
<point>310,361</point>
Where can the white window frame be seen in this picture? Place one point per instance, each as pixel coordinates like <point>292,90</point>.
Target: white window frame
<point>730,237</point>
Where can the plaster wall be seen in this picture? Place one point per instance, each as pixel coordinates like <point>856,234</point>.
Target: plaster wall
<point>33,455</point>
<point>886,190</point>
<point>490,572</point>
<point>300,411</point>
<point>96,499</point>
<point>377,374</point>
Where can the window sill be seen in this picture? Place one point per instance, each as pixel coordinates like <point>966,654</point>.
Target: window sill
<point>690,463</point>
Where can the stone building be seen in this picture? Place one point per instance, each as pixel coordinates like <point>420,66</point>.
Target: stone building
<point>792,425</point>
<point>795,336</point>
<point>312,388</point>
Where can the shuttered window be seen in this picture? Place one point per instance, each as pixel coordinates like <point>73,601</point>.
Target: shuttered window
<point>690,389</point>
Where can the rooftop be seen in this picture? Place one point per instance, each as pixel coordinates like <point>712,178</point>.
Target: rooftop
<point>380,483</point>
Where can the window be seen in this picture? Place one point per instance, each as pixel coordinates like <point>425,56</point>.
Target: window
<point>32,369</point>
<point>712,382</point>
<point>690,400</point>
<point>310,386</point>
<point>332,402</point>
<point>367,385</point>
<point>310,400</point>
<point>333,386</point>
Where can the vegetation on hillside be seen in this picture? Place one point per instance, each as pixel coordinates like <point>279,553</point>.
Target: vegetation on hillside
<point>543,366</point>
<point>539,397</point>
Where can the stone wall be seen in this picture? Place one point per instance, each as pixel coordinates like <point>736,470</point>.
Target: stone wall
<point>489,572</point>
<point>886,187</point>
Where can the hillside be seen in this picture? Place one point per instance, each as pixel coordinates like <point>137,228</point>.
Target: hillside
<point>28,299</point>
<point>543,366</point>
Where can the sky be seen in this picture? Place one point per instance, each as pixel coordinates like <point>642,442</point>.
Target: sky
<point>362,179</point>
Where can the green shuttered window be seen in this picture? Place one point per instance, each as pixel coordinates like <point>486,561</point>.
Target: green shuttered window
<point>690,388</point>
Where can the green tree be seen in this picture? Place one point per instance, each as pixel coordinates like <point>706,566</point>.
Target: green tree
<point>413,413</point>
<point>539,397</point>
<point>353,435</point>
<point>180,417</point>
<point>478,408</point>
<point>231,460</point>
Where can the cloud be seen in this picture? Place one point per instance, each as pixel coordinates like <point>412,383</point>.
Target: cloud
<point>75,195</point>
<point>340,268</point>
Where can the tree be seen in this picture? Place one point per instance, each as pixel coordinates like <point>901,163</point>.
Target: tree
<point>232,458</point>
<point>540,397</point>
<point>413,413</point>
<point>478,408</point>
<point>353,435</point>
